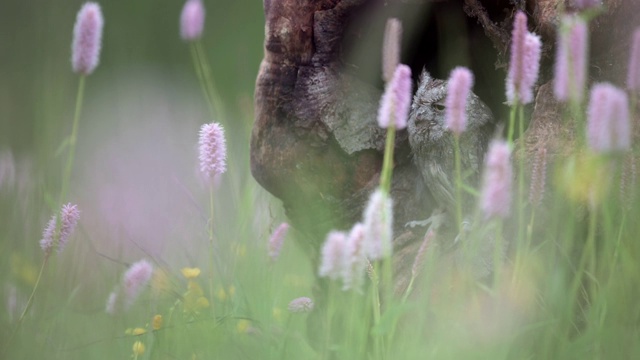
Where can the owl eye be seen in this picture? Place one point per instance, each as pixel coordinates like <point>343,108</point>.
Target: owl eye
<point>439,107</point>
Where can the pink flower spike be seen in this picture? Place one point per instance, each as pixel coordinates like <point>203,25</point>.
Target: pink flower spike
<point>391,48</point>
<point>69,219</point>
<point>213,150</point>
<point>460,83</point>
<point>192,20</point>
<point>354,260</point>
<point>608,124</point>
<point>396,100</point>
<point>495,198</point>
<point>276,241</point>
<point>516,63</point>
<point>524,64</point>
<point>135,279</point>
<point>301,305</point>
<point>332,255</point>
<point>571,60</point>
<point>378,226</point>
<point>633,73</point>
<point>87,39</point>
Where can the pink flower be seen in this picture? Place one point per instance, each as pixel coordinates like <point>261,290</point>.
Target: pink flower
<point>633,73</point>
<point>460,83</point>
<point>608,125</point>
<point>276,241</point>
<point>301,305</point>
<point>332,255</point>
<point>571,60</point>
<point>525,62</point>
<point>396,100</point>
<point>87,39</point>
<point>213,150</point>
<point>68,221</point>
<point>391,48</point>
<point>495,198</point>
<point>135,279</point>
<point>378,226</point>
<point>192,20</point>
<point>354,260</point>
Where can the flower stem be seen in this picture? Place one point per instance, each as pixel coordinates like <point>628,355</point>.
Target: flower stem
<point>387,163</point>
<point>72,142</point>
<point>458,186</point>
<point>28,306</point>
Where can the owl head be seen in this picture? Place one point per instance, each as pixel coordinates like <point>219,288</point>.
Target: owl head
<point>427,116</point>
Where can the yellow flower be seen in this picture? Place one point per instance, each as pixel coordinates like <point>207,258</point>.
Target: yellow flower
<point>138,331</point>
<point>156,323</point>
<point>239,250</point>
<point>190,273</point>
<point>243,326</point>
<point>232,290</point>
<point>138,348</point>
<point>194,289</point>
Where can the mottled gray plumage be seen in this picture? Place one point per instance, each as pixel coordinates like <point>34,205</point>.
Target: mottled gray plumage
<point>433,146</point>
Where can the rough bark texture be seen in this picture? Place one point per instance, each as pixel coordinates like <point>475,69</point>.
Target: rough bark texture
<point>316,144</point>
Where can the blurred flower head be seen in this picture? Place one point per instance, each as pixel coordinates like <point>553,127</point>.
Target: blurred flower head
<point>608,122</point>
<point>69,216</point>
<point>458,89</point>
<point>524,64</point>
<point>276,241</point>
<point>301,305</point>
<point>87,39</point>
<point>378,222</point>
<point>571,59</point>
<point>192,20</point>
<point>396,100</point>
<point>213,150</point>
<point>391,48</point>
<point>135,279</point>
<point>495,198</point>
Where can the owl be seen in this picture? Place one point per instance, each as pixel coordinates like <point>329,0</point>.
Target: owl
<point>432,145</point>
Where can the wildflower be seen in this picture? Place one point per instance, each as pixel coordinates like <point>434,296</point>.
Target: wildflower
<point>378,221</point>
<point>301,305</point>
<point>396,100</point>
<point>276,241</point>
<point>332,255</point>
<point>190,273</point>
<point>135,278</point>
<point>213,150</point>
<point>460,83</point>
<point>538,177</point>
<point>354,260</point>
<point>156,322</point>
<point>391,48</point>
<point>633,73</point>
<point>571,60</point>
<point>495,198</point>
<point>138,331</point>
<point>422,252</point>
<point>69,219</point>
<point>608,125</point>
<point>192,20</point>
<point>138,348</point>
<point>524,64</point>
<point>87,39</point>
<point>243,326</point>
